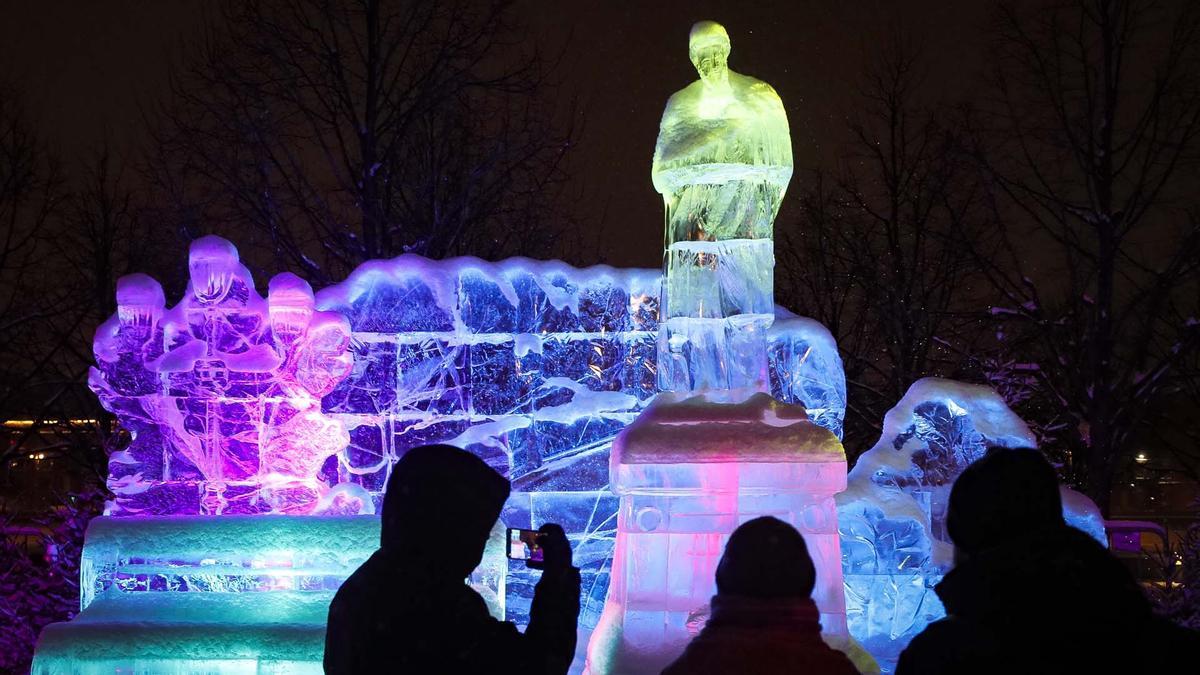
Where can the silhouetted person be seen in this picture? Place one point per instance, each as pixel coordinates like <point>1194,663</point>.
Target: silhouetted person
<point>408,608</point>
<point>763,619</point>
<point>1030,594</point>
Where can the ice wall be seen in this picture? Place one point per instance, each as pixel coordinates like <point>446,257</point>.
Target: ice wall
<point>534,366</point>
<point>891,517</point>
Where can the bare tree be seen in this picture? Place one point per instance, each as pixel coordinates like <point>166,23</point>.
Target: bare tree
<point>882,257</point>
<point>30,197</point>
<point>63,251</point>
<point>1091,138</point>
<point>346,130</point>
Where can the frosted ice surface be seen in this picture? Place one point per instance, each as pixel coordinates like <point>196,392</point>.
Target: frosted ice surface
<point>222,393</point>
<point>219,594</point>
<point>891,517</point>
<point>1082,513</point>
<point>805,368</point>
<point>535,367</point>
<point>184,633</point>
<point>688,471</point>
<point>722,163</point>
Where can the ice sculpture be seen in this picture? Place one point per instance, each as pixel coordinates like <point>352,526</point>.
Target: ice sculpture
<point>719,450</point>
<point>892,515</point>
<point>689,471</point>
<point>217,594</point>
<point>534,366</point>
<point>222,394</point>
<point>232,525</point>
<point>722,163</point>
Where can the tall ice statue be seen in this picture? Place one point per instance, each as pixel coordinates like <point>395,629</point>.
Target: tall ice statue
<point>714,449</point>
<point>722,164</point>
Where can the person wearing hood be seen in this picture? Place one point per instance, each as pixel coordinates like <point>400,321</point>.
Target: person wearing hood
<point>408,608</point>
<point>1030,594</point>
<point>763,618</point>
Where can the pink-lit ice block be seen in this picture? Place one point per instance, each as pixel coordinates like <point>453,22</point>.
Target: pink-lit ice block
<point>688,472</point>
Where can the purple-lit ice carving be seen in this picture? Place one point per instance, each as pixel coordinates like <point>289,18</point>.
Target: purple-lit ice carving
<point>221,394</point>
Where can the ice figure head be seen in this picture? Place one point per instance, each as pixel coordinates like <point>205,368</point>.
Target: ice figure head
<point>708,48</point>
<point>140,304</point>
<point>212,265</point>
<point>290,308</point>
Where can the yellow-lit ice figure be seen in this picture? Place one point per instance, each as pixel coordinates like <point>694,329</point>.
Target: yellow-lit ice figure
<point>722,164</point>
<point>714,449</point>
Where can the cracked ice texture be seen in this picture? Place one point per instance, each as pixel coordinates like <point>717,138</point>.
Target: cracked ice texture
<point>891,518</point>
<point>535,367</point>
<point>227,594</point>
<point>221,394</point>
<point>722,163</point>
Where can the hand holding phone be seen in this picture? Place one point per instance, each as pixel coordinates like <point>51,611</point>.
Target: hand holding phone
<point>526,545</point>
<point>544,548</point>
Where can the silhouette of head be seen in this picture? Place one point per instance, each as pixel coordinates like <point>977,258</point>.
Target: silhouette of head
<point>439,509</point>
<point>708,48</point>
<point>1009,492</point>
<point>766,558</point>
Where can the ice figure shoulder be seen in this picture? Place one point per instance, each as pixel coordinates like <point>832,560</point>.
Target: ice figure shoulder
<point>724,126</point>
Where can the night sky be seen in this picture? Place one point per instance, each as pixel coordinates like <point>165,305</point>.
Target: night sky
<point>87,69</point>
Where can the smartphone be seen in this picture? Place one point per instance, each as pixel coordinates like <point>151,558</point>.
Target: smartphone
<point>526,545</point>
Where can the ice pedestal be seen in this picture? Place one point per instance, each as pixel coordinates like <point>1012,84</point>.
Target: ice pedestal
<point>688,472</point>
<point>227,594</point>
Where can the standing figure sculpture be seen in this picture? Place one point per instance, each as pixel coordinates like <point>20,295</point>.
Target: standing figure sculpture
<point>714,449</point>
<point>722,163</point>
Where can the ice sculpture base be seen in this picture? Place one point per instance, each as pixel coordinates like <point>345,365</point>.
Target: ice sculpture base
<point>281,632</point>
<point>228,594</point>
<point>688,472</point>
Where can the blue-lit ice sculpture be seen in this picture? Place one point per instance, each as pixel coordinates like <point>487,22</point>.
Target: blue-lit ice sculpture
<point>892,515</point>
<point>535,366</point>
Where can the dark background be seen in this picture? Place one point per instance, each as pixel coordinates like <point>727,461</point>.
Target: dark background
<point>90,69</point>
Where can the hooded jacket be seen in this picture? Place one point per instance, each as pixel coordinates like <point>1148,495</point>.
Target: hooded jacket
<point>408,609</point>
<point>391,617</point>
<point>1053,601</point>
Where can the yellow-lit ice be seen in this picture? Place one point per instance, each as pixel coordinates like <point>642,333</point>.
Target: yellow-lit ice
<point>722,163</point>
